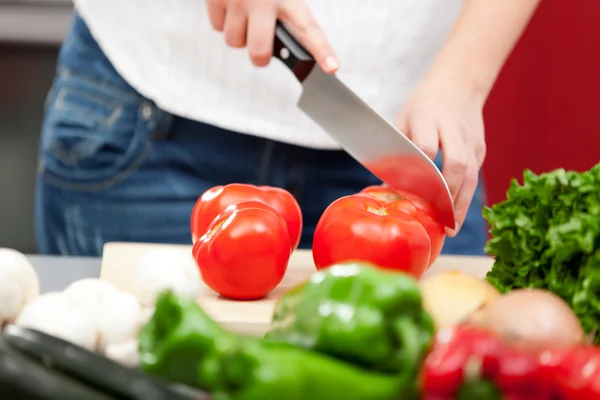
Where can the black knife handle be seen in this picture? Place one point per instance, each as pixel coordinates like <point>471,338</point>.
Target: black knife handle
<point>287,49</point>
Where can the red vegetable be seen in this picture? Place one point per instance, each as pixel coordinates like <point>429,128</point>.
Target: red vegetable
<point>520,376</point>
<point>417,177</point>
<point>382,193</point>
<point>215,200</point>
<point>469,354</point>
<point>459,354</point>
<point>575,372</point>
<point>393,199</point>
<point>245,252</point>
<point>361,228</point>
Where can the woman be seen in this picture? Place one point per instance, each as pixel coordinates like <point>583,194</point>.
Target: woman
<point>152,105</point>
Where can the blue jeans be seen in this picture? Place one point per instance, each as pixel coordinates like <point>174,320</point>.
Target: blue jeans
<point>115,167</point>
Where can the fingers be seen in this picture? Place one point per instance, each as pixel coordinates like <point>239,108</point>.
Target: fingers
<point>456,160</point>
<point>216,13</point>
<point>462,161</point>
<point>251,23</point>
<point>306,29</point>
<point>236,23</point>
<point>464,197</point>
<point>261,30</point>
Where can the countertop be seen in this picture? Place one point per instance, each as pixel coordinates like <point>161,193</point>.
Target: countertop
<point>56,273</point>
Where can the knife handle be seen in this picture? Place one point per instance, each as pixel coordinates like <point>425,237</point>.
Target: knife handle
<point>289,51</point>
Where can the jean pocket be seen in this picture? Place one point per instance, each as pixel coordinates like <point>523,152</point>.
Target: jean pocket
<point>93,135</point>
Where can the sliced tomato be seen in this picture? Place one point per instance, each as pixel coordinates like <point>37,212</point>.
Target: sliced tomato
<point>215,200</point>
<point>245,251</point>
<point>362,228</point>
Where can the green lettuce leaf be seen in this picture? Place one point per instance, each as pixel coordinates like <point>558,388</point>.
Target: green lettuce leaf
<point>546,235</point>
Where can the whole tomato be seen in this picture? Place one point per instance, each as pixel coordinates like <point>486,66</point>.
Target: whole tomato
<point>394,199</point>
<point>361,228</point>
<point>415,183</point>
<point>245,251</point>
<point>382,193</point>
<point>215,200</point>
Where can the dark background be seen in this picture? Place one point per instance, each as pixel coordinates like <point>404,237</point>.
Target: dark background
<point>30,34</point>
<point>25,75</point>
<point>542,113</point>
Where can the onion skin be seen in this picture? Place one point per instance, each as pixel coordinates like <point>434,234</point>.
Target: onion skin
<point>451,297</point>
<point>531,319</point>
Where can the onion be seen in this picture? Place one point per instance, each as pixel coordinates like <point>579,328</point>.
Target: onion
<point>531,319</point>
<point>450,297</point>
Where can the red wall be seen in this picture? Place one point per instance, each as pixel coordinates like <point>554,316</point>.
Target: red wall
<point>544,111</point>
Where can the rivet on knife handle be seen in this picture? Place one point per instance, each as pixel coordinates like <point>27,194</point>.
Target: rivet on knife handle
<point>289,51</point>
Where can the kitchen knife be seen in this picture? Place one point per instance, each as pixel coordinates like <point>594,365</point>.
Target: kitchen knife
<point>363,133</point>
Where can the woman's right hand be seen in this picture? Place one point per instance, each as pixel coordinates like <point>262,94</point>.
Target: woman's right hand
<point>251,24</point>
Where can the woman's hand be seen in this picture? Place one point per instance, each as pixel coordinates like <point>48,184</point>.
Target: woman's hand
<point>251,23</point>
<point>445,111</point>
<point>445,114</point>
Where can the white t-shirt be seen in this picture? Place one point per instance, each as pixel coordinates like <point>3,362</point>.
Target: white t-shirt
<point>168,51</point>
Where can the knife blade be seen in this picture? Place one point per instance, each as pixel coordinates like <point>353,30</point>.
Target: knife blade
<point>363,133</point>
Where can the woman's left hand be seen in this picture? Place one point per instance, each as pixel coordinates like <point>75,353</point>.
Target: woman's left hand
<point>446,114</point>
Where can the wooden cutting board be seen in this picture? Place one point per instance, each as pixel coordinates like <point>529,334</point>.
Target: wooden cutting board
<point>253,317</point>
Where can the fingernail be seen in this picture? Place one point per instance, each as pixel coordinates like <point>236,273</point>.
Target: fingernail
<point>332,64</point>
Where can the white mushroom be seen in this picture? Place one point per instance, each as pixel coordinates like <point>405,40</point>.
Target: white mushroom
<point>19,284</point>
<point>118,319</point>
<point>126,353</point>
<point>164,269</point>
<point>55,314</point>
<point>89,292</point>
<point>116,313</point>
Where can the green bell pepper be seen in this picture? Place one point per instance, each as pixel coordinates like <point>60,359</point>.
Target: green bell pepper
<point>181,343</point>
<point>360,314</point>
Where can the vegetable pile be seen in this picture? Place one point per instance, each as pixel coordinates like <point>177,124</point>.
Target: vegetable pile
<point>362,326</point>
<point>351,332</point>
<point>358,331</point>
<point>546,235</point>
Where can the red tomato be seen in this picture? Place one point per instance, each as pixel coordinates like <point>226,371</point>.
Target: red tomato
<point>417,177</point>
<point>245,252</point>
<point>361,228</point>
<point>395,200</point>
<point>215,200</point>
<point>435,230</point>
<point>382,193</point>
